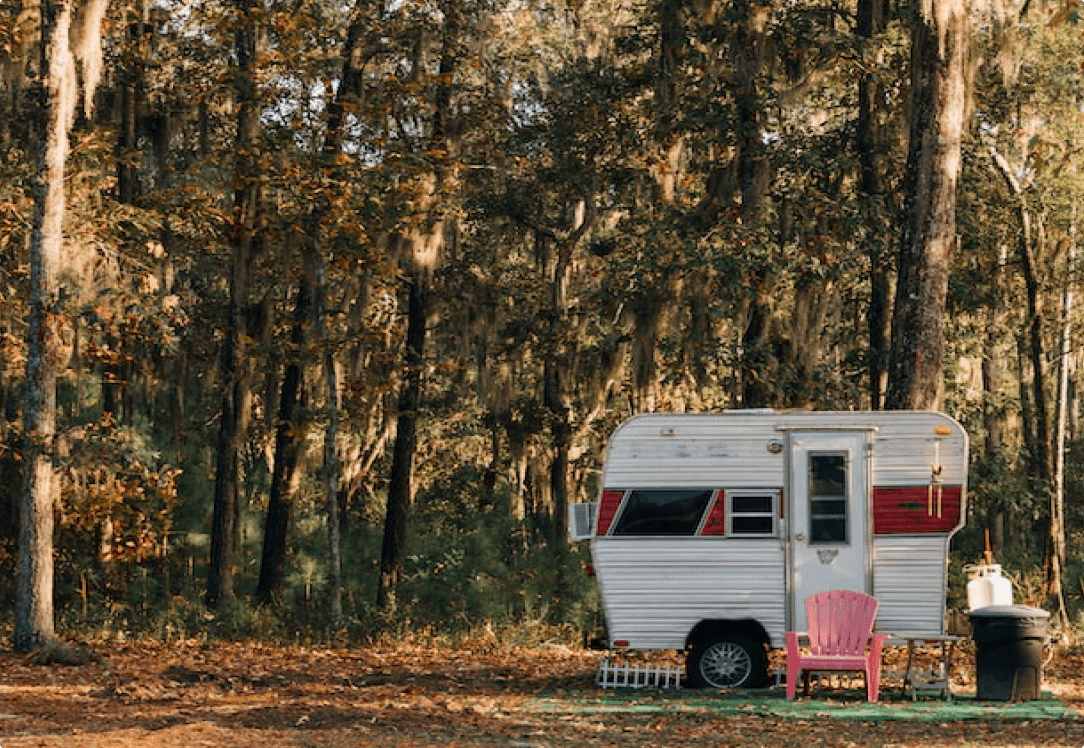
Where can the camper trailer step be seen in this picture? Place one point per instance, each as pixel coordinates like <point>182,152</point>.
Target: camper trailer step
<point>637,675</point>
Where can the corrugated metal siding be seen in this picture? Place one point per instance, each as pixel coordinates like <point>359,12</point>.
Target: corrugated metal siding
<point>703,450</point>
<point>900,459</point>
<point>730,448</point>
<point>906,448</point>
<point>909,581</point>
<point>656,590</point>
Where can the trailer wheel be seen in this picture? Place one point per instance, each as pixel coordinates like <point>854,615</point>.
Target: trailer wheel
<point>727,661</point>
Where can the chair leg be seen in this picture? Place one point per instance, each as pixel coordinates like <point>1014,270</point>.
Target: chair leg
<point>805,687</point>
<point>873,682</point>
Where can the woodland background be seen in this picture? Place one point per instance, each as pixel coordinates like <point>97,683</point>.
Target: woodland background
<point>353,293</point>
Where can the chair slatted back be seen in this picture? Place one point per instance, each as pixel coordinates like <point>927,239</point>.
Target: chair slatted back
<point>840,622</point>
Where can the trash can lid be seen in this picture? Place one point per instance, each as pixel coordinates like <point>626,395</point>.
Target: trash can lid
<point>1010,611</point>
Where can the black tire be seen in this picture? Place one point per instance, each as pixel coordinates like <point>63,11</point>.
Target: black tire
<point>727,661</point>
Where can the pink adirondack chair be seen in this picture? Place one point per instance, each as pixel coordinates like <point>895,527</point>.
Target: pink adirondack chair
<point>841,637</point>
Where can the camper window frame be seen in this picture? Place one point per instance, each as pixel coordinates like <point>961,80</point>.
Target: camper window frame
<point>816,502</point>
<point>734,493</point>
<point>618,529</point>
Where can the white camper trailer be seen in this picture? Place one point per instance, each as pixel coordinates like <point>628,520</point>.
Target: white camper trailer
<point>711,529</point>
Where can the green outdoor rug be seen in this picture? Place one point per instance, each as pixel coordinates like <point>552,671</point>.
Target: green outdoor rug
<point>836,705</point>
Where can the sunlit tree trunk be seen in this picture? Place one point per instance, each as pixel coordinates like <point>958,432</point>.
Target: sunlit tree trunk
<point>939,103</point>
<point>1055,552</point>
<point>47,352</point>
<point>34,621</point>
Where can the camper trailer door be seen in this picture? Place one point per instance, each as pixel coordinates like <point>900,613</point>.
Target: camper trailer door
<point>829,508</point>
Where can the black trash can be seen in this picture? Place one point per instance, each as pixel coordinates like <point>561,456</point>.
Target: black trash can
<point>1009,643</point>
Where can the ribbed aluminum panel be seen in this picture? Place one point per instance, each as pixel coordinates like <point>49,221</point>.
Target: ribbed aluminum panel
<point>909,582</point>
<point>731,447</point>
<point>902,459</point>
<point>677,450</point>
<point>656,590</point>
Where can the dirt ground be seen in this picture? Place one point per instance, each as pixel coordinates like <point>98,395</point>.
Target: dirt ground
<point>237,695</point>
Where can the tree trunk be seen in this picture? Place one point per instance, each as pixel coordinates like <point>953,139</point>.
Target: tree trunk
<point>1055,555</point>
<point>754,178</point>
<point>939,95</point>
<point>331,471</point>
<point>556,401</point>
<point>131,86</point>
<point>872,21</point>
<point>1041,448</point>
<point>347,97</point>
<point>647,312</point>
<point>555,396</point>
<point>424,248</point>
<point>1046,469</point>
<point>400,488</point>
<point>34,615</point>
<point>673,48</point>
<point>226,519</point>
<point>291,432</point>
<point>993,415</point>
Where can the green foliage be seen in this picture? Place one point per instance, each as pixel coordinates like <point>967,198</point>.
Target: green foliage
<point>605,235</point>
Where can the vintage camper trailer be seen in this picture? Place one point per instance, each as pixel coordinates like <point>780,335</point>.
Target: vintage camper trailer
<point>711,529</point>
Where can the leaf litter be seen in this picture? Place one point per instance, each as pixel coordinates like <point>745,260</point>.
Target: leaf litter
<point>411,695</point>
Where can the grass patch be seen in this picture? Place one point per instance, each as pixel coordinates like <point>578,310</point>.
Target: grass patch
<point>846,705</point>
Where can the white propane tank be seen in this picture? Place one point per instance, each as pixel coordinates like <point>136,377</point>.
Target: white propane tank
<point>986,586</point>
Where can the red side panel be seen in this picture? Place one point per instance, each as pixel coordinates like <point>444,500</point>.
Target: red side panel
<point>715,524</point>
<point>607,508</point>
<point>915,509</point>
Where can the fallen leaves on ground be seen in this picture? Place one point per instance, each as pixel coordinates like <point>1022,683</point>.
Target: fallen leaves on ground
<point>194,693</point>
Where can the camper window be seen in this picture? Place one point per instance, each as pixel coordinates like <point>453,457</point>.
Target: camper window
<point>662,512</point>
<point>752,512</point>
<point>827,498</point>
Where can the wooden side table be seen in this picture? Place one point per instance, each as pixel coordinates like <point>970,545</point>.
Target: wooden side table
<point>939,680</point>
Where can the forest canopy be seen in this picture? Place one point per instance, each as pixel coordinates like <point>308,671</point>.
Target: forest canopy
<point>348,297</point>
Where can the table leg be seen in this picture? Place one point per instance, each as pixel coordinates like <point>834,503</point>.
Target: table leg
<point>907,683</point>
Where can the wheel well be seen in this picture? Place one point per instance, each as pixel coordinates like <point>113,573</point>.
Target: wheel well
<point>711,629</point>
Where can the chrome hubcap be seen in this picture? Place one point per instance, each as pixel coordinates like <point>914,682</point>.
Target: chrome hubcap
<point>726,665</point>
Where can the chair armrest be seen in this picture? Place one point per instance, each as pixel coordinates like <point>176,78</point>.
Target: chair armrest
<point>792,641</point>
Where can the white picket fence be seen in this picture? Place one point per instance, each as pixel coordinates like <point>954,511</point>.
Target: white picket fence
<point>637,675</point>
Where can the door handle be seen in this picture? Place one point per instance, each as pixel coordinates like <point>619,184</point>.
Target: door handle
<point>800,537</point>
